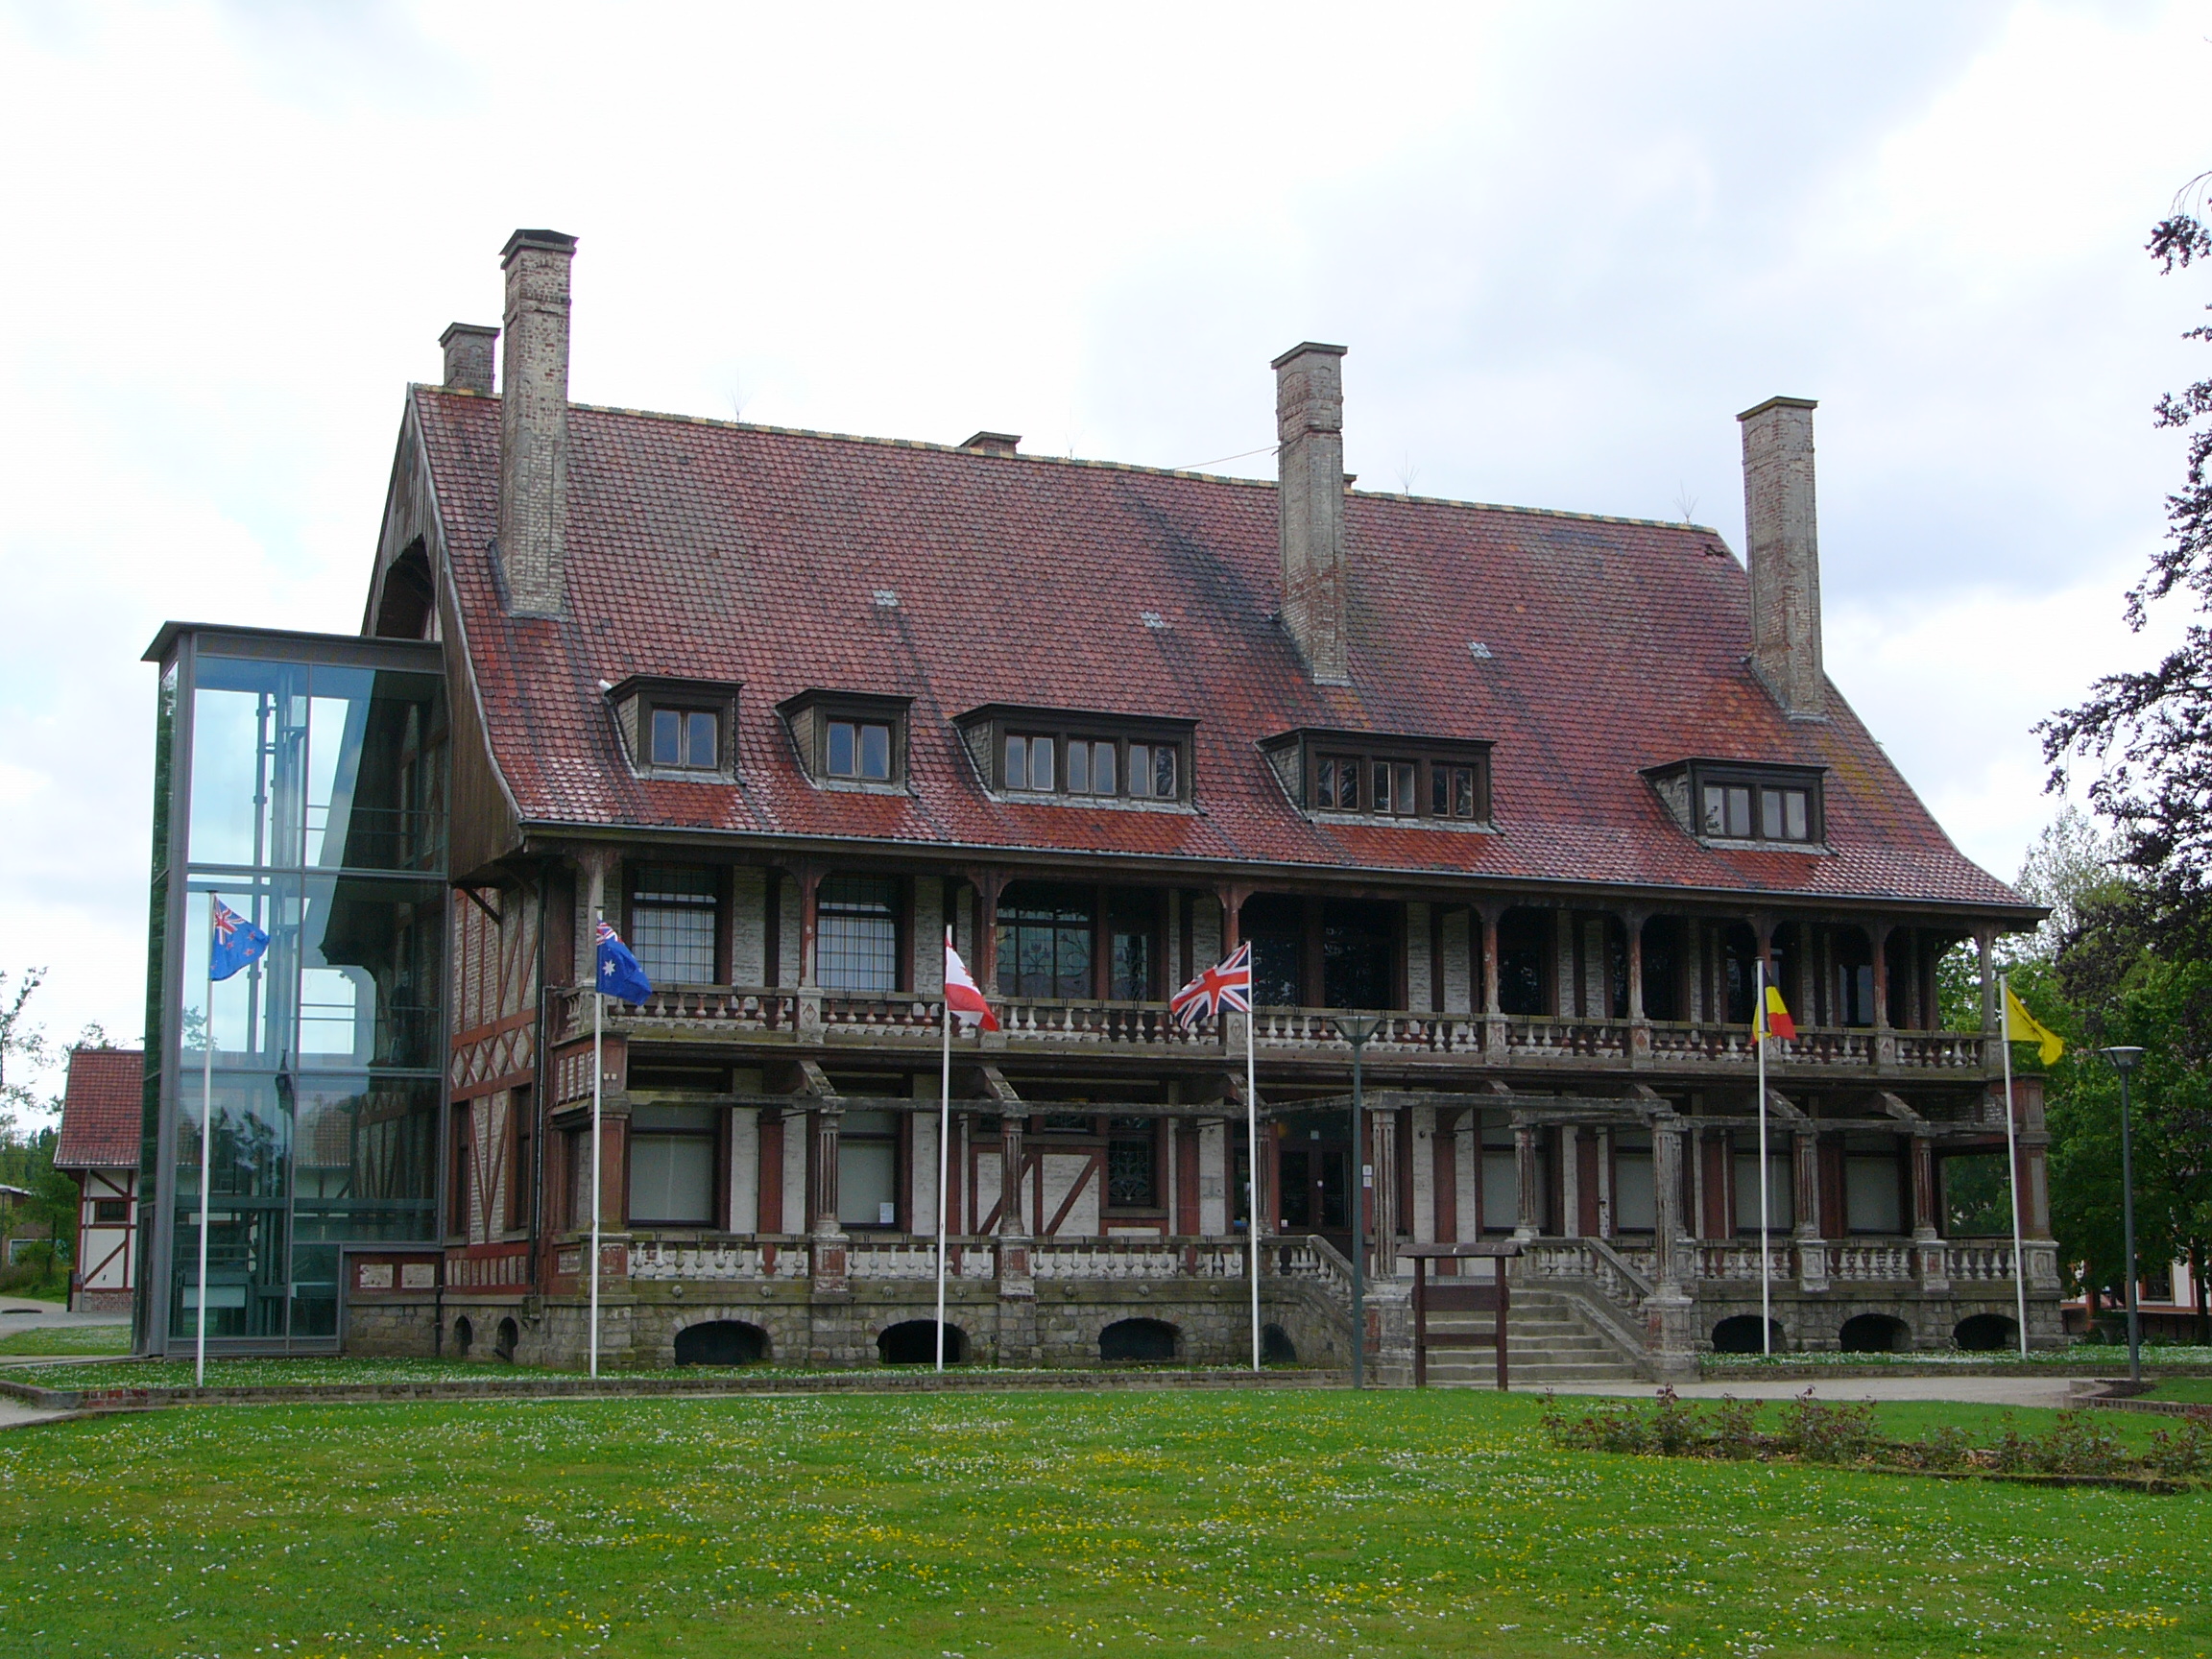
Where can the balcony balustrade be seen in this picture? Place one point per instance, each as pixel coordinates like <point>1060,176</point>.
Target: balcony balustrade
<point>833,1020</point>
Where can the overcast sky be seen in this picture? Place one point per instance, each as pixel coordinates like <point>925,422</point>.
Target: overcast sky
<point>1565,244</point>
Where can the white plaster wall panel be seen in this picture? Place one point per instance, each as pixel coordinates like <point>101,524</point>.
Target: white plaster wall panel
<point>1424,1138</point>
<point>1465,1222</point>
<point>1418,966</point>
<point>928,935</point>
<point>1214,1173</point>
<point>1060,1173</point>
<point>983,1184</point>
<point>748,927</point>
<point>744,1170</point>
<point>788,962</point>
<point>1459,978</point>
<point>795,1132</point>
<point>922,1186</point>
<point>1205,934</point>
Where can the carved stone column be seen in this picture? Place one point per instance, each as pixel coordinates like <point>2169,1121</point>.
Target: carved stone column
<point>1493,1020</point>
<point>1527,1224</point>
<point>1667,1135</point>
<point>1015,1275</point>
<point>830,1246</point>
<point>1811,1250</point>
<point>1639,1027</point>
<point>1232,897</point>
<point>1382,1140</point>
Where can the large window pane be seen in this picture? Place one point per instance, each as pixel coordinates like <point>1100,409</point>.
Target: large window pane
<point>672,911</point>
<point>1045,941</point>
<point>370,960</point>
<point>1781,1193</point>
<point>672,1166</point>
<point>856,934</point>
<point>249,758</point>
<point>867,1181</point>
<point>1873,1192</point>
<point>1635,1208</point>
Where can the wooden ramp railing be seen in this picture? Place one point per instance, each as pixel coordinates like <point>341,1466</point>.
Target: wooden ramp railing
<point>1458,1295</point>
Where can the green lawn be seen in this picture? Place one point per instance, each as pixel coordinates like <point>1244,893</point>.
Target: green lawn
<point>1012,1525</point>
<point>2195,1390</point>
<point>68,1339</point>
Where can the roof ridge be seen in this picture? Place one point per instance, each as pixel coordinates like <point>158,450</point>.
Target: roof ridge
<point>720,424</point>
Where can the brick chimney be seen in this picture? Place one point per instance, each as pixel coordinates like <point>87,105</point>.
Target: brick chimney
<point>1309,507</point>
<point>1782,547</point>
<point>534,423</point>
<point>468,356</point>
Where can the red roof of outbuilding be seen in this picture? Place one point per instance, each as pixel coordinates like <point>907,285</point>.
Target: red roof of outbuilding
<point>707,549</point>
<point>100,1110</point>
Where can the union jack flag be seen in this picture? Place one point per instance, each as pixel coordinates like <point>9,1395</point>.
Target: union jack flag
<point>1225,985</point>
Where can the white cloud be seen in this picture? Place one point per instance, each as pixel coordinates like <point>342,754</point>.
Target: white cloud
<point>1565,244</point>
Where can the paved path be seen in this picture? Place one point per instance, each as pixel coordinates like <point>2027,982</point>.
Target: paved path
<point>2045,1391</point>
<point>14,1414</point>
<point>21,1313</point>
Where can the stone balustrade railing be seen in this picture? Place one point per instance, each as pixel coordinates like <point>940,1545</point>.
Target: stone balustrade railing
<point>832,1017</point>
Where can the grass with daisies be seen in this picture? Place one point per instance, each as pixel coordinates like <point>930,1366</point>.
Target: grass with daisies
<point>1002,1525</point>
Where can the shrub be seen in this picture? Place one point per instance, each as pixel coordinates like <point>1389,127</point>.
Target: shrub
<point>1823,1433</point>
<point>2185,1452</point>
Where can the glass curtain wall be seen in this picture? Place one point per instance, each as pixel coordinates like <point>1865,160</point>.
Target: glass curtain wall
<point>312,804</point>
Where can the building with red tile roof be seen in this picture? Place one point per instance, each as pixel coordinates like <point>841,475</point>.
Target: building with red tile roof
<point>1546,795</point>
<point>101,1115</point>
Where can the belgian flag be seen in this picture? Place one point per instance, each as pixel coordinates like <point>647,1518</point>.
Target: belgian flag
<point>1774,1018</point>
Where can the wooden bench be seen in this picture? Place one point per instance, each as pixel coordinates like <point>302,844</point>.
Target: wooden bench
<point>1456,1295</point>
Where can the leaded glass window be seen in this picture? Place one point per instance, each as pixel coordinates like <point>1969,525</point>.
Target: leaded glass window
<point>672,912</point>
<point>857,933</point>
<point>1132,1164</point>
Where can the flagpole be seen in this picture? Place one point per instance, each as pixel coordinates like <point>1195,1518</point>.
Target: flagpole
<point>1252,1169</point>
<point>206,1140</point>
<point>944,1156</point>
<point>2012,1157</point>
<point>598,1084</point>
<point>1765,1276</point>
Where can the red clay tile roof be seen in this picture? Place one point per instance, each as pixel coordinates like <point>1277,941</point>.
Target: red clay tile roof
<point>703,549</point>
<point>100,1110</point>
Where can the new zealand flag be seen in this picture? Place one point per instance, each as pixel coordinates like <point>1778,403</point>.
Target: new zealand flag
<point>233,941</point>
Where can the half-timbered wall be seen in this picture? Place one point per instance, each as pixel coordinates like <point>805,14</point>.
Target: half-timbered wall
<point>107,1250</point>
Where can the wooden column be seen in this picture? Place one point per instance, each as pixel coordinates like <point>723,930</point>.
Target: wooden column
<point>988,885</point>
<point>1985,947</point>
<point>1923,1190</point>
<point>830,1267</point>
<point>1632,922</point>
<point>1382,1199</point>
<point>809,876</point>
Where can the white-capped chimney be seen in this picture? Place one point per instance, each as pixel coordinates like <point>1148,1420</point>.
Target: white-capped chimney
<point>468,356</point>
<point>1310,505</point>
<point>534,423</point>
<point>1782,547</point>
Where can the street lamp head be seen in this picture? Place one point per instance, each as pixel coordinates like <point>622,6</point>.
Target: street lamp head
<point>1356,1028</point>
<point>2123,1059</point>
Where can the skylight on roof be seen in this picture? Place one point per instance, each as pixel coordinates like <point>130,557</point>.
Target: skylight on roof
<point>887,598</point>
<point>1151,618</point>
<point>1480,652</point>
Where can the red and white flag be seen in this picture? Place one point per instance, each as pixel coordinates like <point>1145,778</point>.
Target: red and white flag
<point>961,995</point>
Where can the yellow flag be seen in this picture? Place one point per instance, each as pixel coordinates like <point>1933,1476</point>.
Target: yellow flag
<point>2022,1026</point>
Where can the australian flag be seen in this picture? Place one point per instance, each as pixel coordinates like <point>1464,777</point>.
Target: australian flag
<point>232,942</point>
<point>619,974</point>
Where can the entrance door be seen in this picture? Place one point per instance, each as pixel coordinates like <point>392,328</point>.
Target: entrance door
<point>1315,1191</point>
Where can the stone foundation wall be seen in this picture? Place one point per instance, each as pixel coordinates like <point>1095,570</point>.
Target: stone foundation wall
<point>101,1302</point>
<point>1061,1325</point>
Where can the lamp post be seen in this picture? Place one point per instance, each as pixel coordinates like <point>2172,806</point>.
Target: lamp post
<point>1356,1029</point>
<point>2124,1061</point>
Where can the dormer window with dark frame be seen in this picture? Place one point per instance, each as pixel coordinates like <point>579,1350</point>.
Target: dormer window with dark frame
<point>848,740</point>
<point>1069,755</point>
<point>689,739</point>
<point>677,727</point>
<point>1426,780</point>
<point>1730,801</point>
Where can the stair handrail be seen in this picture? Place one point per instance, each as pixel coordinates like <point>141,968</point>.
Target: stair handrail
<point>1644,1287</point>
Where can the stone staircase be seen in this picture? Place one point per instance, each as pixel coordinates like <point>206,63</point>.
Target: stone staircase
<point>1548,1345</point>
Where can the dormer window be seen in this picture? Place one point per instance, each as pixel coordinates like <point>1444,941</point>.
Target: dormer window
<point>1396,778</point>
<point>1068,755</point>
<point>672,727</point>
<point>686,737</point>
<point>1727,801</point>
<point>848,740</point>
<point>860,749</point>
